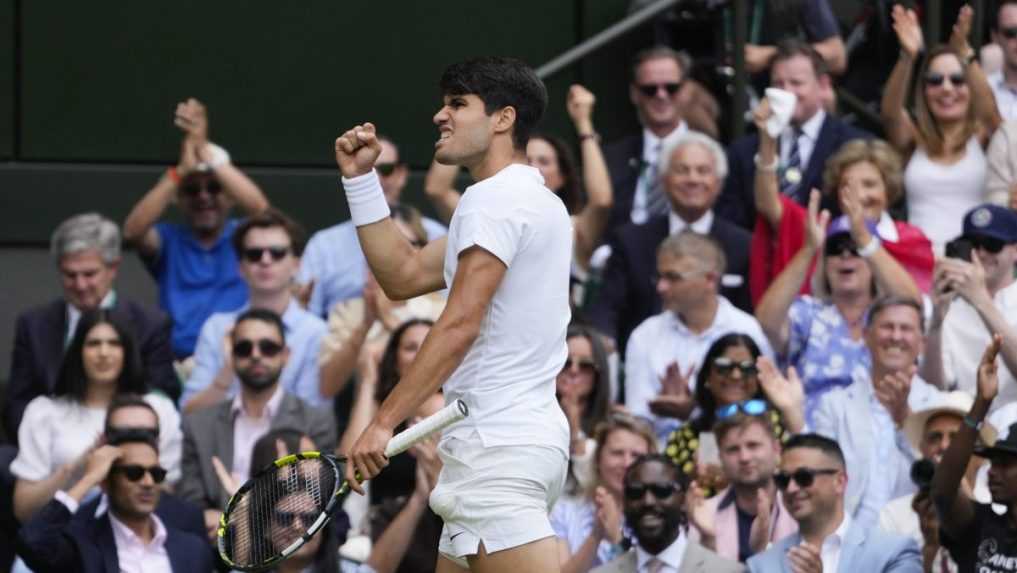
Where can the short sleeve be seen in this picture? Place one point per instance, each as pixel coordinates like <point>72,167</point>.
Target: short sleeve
<point>818,21</point>
<point>500,234</point>
<point>156,264</point>
<point>34,461</point>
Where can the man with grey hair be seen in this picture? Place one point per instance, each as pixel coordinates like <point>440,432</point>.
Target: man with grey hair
<point>86,249</point>
<point>692,173</point>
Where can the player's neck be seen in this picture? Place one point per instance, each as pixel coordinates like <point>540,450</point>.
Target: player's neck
<point>499,155</point>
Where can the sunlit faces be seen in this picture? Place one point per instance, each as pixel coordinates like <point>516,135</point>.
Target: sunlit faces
<point>683,282</point>
<point>820,499</point>
<point>733,386</point>
<point>749,454</point>
<point>947,101</point>
<point>410,343</point>
<point>465,130</point>
<point>797,76</point>
<point>865,179</point>
<point>940,430</point>
<point>541,154</point>
<point>133,499</point>
<point>620,449</point>
<point>894,338</point>
<point>691,180</point>
<point>267,275</point>
<point>86,278</point>
<point>661,111</point>
<point>102,354</point>
<point>580,371</point>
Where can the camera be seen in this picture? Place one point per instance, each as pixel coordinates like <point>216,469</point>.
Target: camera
<point>922,472</point>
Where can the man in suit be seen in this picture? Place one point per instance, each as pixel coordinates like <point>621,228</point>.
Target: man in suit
<point>813,480</point>
<point>87,252</point>
<point>805,145</point>
<point>693,168</point>
<point>224,434</point>
<point>127,537</point>
<point>655,512</point>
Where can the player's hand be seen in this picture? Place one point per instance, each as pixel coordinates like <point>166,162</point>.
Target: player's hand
<point>367,456</point>
<point>357,150</point>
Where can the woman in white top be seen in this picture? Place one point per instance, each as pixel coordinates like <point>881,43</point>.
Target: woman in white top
<point>955,117</point>
<point>58,431</point>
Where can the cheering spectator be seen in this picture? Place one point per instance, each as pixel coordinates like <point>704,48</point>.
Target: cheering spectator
<point>193,263</point>
<point>812,19</point>
<point>1004,82</point>
<point>955,117</point>
<point>584,393</point>
<point>86,249</point>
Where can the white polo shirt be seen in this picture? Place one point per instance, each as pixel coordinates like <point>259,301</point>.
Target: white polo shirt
<point>508,376</point>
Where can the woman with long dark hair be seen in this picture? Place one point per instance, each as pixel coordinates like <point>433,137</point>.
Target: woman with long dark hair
<point>584,394</point>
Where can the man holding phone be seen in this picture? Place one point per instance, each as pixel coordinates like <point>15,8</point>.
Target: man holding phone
<point>972,299</point>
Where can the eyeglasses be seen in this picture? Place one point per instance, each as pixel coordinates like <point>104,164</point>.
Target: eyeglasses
<point>285,518</point>
<point>134,472</point>
<point>193,189</point>
<point>673,277</point>
<point>840,245</point>
<point>804,477</point>
<point>752,407</point>
<point>988,244</point>
<point>1009,33</point>
<point>267,348</point>
<point>257,254</point>
<point>650,90</point>
<point>936,80</point>
<point>725,366</point>
<point>585,365</point>
<point>636,491</point>
<point>386,169</point>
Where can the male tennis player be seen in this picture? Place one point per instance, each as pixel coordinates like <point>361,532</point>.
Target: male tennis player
<point>501,340</point>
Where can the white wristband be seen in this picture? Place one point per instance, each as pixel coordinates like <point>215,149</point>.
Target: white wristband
<point>870,249</point>
<point>219,157</point>
<point>366,199</point>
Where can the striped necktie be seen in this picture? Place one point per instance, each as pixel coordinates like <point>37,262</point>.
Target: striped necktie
<point>791,174</point>
<point>656,200</point>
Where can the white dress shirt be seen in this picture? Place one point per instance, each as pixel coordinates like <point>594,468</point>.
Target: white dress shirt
<point>651,156</point>
<point>248,429</point>
<point>806,142</point>
<point>702,225</point>
<point>136,556</point>
<point>1006,95</point>
<point>830,551</point>
<point>74,315</point>
<point>670,557</point>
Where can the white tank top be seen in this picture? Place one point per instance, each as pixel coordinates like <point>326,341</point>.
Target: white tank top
<point>939,195</point>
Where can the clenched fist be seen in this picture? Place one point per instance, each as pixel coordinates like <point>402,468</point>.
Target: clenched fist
<point>357,150</point>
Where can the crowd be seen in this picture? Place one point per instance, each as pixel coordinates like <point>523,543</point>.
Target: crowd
<point>794,352</point>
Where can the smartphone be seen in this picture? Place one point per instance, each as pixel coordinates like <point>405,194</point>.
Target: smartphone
<point>959,249</point>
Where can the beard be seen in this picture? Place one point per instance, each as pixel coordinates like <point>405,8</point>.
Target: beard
<point>258,380</point>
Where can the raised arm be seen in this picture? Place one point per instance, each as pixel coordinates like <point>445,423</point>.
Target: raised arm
<point>767,191</point>
<point>899,128</point>
<point>440,188</point>
<point>591,221</point>
<point>834,54</point>
<point>700,108</point>
<point>933,370</point>
<point>982,97</point>
<point>139,226</point>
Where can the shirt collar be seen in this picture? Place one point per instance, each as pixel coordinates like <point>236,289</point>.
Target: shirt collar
<point>886,228</point>
<point>702,225</point>
<point>653,144</point>
<point>723,311</point>
<point>998,82</point>
<point>811,127</point>
<point>123,535</point>
<point>838,536</point>
<point>107,302</point>
<point>671,555</point>
<point>271,407</point>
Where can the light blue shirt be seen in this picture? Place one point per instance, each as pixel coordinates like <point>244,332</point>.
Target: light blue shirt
<point>299,377</point>
<point>334,259</point>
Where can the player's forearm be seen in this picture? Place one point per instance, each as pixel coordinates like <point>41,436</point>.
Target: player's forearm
<point>149,209</point>
<point>244,191</point>
<point>393,260</point>
<point>364,407</point>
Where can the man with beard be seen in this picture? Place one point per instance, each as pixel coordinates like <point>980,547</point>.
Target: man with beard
<point>655,512</point>
<point>219,439</point>
<point>813,481</point>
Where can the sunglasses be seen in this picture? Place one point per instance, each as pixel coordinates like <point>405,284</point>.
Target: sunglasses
<point>585,365</point>
<point>194,189</point>
<point>936,80</point>
<point>386,169</point>
<point>752,407</point>
<point>267,348</point>
<point>636,491</point>
<point>1009,33</point>
<point>804,477</point>
<point>257,254</point>
<point>839,246</point>
<point>988,244</point>
<point>286,518</point>
<point>650,90</point>
<point>135,472</point>
<point>725,366</point>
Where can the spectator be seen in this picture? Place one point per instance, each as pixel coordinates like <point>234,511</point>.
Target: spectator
<point>803,147</point>
<point>86,249</point>
<point>729,382</point>
<point>224,434</point>
<point>812,480</point>
<point>666,350</point>
<point>268,246</point>
<point>746,517</point>
<point>128,537</point>
<point>863,174</point>
<point>930,432</point>
<point>655,512</point>
<point>193,263</point>
<point>333,268</point>
<point>867,417</point>
<point>820,334</point>
<point>1004,82</point>
<point>1001,178</point>
<point>693,169</point>
<point>668,104</point>
<point>60,430</point>
<point>589,526</point>
<point>813,19</point>
<point>972,300</point>
<point>955,117</point>
<point>980,540</point>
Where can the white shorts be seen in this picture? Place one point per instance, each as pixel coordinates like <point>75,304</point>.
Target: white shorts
<point>500,495</point>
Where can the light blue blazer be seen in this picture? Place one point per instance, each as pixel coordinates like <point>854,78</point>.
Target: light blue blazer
<point>867,550</point>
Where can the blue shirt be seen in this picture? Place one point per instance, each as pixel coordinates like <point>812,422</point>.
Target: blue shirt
<point>194,281</point>
<point>299,377</point>
<point>334,259</point>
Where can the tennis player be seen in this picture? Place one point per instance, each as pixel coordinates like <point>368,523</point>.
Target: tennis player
<point>501,340</point>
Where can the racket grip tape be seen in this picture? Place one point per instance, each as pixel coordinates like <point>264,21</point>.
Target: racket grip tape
<point>436,422</point>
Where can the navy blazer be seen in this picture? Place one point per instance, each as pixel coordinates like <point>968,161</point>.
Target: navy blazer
<point>52,542</point>
<point>39,348</point>
<point>628,295</point>
<point>866,550</point>
<point>737,202</point>
<point>174,511</point>
<point>624,159</point>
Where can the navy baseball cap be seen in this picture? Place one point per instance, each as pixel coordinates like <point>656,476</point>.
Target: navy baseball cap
<point>993,221</point>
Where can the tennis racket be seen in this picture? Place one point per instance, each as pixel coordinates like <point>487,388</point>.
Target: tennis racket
<point>287,502</point>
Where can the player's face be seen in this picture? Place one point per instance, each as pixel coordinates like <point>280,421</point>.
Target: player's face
<point>620,449</point>
<point>580,372</point>
<point>797,76</point>
<point>865,179</point>
<point>691,180</point>
<point>86,278</point>
<point>266,274</point>
<point>102,354</point>
<point>662,110</point>
<point>465,130</point>
<point>134,499</point>
<point>749,455</point>
<point>894,338</point>
<point>410,343</point>
<point>732,385</point>
<point>939,432</point>
<point>540,154</point>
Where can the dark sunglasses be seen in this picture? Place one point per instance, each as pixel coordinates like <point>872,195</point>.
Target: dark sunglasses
<point>386,169</point>
<point>752,407</point>
<point>285,518</point>
<point>134,472</point>
<point>650,90</point>
<point>194,189</point>
<point>987,244</point>
<point>1009,33</point>
<point>585,365</point>
<point>255,255</point>
<point>936,80</point>
<point>725,366</point>
<point>267,348</point>
<point>840,245</point>
<point>659,490</point>
<point>804,477</point>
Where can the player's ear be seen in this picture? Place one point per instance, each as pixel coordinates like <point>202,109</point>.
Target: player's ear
<point>505,119</point>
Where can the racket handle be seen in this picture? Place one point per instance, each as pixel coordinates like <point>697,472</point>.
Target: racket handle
<point>436,422</point>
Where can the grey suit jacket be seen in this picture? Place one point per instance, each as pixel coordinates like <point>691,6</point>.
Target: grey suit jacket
<point>866,550</point>
<point>209,432</point>
<point>697,559</point>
